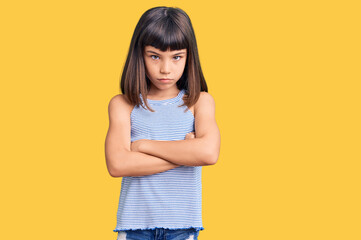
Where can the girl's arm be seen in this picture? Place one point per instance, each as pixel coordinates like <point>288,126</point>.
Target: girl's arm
<point>199,151</point>
<point>139,164</point>
<point>120,160</point>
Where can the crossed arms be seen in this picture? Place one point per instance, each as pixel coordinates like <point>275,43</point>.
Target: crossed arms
<point>145,157</point>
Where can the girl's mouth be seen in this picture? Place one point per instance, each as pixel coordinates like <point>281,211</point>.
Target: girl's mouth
<point>164,80</point>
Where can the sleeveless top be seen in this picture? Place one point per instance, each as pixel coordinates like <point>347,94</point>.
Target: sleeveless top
<point>171,199</point>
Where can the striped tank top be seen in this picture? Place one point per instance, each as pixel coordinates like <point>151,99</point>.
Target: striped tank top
<point>171,199</point>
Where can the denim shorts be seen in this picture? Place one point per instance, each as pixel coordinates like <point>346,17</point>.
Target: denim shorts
<point>159,234</point>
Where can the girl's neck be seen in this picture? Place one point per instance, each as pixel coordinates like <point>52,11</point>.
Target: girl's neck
<point>162,94</point>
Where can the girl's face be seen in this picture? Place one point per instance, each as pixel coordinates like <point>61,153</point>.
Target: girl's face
<point>164,65</point>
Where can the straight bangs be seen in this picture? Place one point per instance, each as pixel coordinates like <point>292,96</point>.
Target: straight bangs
<point>163,35</point>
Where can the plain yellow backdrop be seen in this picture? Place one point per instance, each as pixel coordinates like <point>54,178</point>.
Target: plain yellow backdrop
<point>285,76</point>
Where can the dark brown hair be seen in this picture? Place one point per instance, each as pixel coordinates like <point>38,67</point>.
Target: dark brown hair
<point>162,28</point>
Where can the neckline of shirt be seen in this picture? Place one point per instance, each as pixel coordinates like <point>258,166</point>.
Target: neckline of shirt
<point>165,101</point>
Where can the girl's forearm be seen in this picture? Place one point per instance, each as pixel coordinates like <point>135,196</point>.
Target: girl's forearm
<point>140,164</point>
<point>190,152</point>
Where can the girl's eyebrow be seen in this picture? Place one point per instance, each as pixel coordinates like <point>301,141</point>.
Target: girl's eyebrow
<point>178,53</point>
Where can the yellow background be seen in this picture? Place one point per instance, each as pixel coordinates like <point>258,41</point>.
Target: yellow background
<point>285,76</point>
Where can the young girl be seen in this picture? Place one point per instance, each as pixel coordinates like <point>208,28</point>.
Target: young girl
<point>162,130</point>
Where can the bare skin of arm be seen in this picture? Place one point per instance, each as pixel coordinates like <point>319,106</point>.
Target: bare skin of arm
<point>134,164</point>
<point>120,160</point>
<point>140,164</point>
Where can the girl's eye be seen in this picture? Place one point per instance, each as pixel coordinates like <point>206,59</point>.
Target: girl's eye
<point>157,57</point>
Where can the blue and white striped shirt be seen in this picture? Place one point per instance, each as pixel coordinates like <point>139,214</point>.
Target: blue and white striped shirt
<point>170,199</point>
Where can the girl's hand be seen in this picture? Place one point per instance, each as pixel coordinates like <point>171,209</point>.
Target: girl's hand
<point>190,135</point>
<point>134,146</point>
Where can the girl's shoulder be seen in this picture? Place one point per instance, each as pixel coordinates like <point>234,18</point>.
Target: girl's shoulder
<point>204,98</point>
<point>121,101</point>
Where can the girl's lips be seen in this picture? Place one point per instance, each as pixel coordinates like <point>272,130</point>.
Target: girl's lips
<point>165,80</point>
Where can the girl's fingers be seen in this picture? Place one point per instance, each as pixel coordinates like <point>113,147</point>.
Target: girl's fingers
<point>190,135</point>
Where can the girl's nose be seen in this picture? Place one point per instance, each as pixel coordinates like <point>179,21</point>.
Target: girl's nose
<point>165,68</point>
